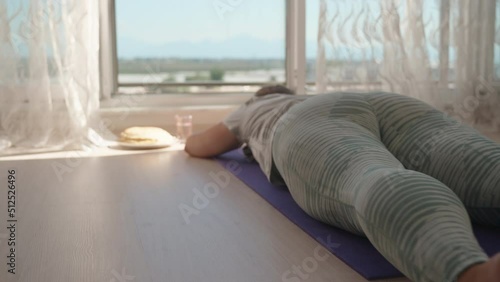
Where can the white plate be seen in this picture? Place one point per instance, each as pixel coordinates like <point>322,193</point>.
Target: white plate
<point>139,146</point>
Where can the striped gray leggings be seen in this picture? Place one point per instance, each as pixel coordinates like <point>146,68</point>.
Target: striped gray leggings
<point>395,170</point>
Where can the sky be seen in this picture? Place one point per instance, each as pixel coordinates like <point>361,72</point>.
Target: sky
<point>162,22</point>
<point>224,28</point>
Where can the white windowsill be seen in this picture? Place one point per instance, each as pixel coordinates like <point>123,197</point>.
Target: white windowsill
<point>125,111</point>
<point>175,100</point>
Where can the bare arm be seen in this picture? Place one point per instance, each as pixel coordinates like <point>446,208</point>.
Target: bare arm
<point>212,142</point>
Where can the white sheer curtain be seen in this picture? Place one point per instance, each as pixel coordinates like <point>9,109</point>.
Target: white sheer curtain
<point>49,73</point>
<point>439,51</point>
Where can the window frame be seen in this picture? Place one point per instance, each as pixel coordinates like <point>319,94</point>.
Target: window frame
<point>108,52</point>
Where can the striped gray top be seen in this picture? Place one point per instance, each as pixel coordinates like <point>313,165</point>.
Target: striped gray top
<point>255,121</point>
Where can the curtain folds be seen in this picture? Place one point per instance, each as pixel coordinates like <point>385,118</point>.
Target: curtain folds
<point>49,74</point>
<point>438,51</point>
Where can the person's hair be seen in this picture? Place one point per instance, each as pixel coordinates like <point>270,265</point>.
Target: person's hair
<point>247,152</point>
<point>274,89</point>
<point>266,90</point>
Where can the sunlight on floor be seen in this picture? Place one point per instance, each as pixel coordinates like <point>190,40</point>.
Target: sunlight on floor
<point>96,152</point>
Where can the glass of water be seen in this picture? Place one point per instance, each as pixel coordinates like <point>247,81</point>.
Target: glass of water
<point>184,125</point>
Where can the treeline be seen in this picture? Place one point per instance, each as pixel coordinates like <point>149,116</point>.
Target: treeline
<point>155,65</point>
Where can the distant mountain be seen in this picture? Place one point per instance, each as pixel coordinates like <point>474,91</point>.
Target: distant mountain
<point>236,47</point>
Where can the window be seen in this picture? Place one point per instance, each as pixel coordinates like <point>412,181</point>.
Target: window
<point>348,56</point>
<point>228,46</point>
<point>353,48</point>
<point>199,46</point>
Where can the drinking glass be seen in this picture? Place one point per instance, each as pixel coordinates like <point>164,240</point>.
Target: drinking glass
<point>184,125</point>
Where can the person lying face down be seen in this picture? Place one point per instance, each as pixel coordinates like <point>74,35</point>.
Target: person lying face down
<point>252,126</point>
<point>380,165</point>
<point>203,145</point>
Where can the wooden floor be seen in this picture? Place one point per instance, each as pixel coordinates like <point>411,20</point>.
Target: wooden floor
<point>117,218</point>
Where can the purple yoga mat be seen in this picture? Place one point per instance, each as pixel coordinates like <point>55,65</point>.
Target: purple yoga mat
<point>355,251</point>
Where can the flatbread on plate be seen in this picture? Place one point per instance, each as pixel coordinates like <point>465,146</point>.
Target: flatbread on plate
<point>145,135</point>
